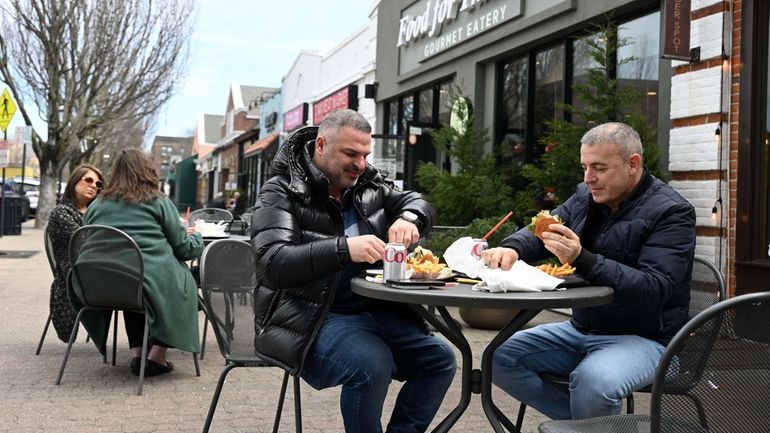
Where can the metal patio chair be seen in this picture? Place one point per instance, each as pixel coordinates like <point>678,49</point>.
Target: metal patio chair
<point>108,269</point>
<point>712,378</point>
<point>229,282</point>
<point>707,287</point>
<point>52,264</point>
<point>210,215</point>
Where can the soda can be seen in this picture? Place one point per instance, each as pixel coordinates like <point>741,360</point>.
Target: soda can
<point>479,245</point>
<point>394,262</point>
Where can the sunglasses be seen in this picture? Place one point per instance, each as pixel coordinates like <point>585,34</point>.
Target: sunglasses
<point>92,181</point>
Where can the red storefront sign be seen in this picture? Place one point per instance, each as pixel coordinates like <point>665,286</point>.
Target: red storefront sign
<point>347,97</point>
<point>295,117</point>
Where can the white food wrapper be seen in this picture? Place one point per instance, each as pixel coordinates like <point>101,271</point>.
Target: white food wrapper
<point>209,229</point>
<point>520,278</point>
<point>459,257</point>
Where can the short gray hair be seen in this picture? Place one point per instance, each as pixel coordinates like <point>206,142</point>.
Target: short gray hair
<point>625,139</point>
<point>339,119</point>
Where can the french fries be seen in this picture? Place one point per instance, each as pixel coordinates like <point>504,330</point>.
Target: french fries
<point>557,271</point>
<point>424,263</point>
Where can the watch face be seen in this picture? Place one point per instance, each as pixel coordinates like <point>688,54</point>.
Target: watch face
<point>409,216</point>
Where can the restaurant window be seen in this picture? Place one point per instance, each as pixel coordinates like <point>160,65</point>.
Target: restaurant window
<point>392,116</point>
<point>549,89</point>
<point>582,61</point>
<point>425,108</point>
<point>407,111</point>
<point>444,91</point>
<point>642,36</point>
<point>534,85</point>
<point>513,148</point>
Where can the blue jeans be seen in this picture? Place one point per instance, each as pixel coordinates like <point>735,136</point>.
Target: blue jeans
<point>364,352</point>
<point>602,369</point>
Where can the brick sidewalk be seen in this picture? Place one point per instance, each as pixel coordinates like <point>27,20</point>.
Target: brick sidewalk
<point>97,397</point>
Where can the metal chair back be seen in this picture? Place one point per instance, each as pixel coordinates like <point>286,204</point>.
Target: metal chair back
<point>49,250</point>
<point>106,257</point>
<point>229,284</point>
<point>731,341</point>
<point>707,287</point>
<point>210,215</point>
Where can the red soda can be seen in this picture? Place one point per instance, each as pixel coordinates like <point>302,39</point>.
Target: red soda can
<point>394,262</point>
<point>479,245</point>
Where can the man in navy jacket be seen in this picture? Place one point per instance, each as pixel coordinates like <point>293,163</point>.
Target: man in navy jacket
<point>622,228</point>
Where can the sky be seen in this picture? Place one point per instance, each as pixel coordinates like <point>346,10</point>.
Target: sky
<point>252,42</point>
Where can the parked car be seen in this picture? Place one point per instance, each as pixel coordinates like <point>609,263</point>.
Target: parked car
<point>13,189</point>
<point>31,189</point>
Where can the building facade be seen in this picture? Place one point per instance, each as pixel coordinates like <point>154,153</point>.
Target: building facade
<point>518,61</point>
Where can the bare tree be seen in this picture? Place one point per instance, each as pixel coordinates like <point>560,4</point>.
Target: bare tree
<point>88,68</point>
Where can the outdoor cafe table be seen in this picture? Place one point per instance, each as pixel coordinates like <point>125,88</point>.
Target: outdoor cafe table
<point>208,240</point>
<point>479,380</point>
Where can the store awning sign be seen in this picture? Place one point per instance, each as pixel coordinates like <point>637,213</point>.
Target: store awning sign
<point>676,29</point>
<point>295,117</point>
<point>435,26</point>
<point>347,97</point>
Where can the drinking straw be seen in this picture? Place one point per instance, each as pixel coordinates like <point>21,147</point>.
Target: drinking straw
<point>497,226</point>
<point>187,214</point>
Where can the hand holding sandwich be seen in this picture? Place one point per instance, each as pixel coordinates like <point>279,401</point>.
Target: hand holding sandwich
<point>562,243</point>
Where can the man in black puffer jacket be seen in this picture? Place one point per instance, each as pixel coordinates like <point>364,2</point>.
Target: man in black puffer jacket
<point>319,222</point>
<point>625,229</point>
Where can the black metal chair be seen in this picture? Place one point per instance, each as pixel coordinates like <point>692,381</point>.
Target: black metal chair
<point>713,377</point>
<point>210,215</point>
<point>229,282</point>
<point>52,264</point>
<point>108,272</point>
<point>707,287</point>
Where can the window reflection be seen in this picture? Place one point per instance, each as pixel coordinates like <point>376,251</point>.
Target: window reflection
<point>549,89</point>
<point>392,118</point>
<point>426,106</point>
<point>640,73</point>
<point>444,90</point>
<point>582,61</point>
<point>407,111</point>
<point>514,98</point>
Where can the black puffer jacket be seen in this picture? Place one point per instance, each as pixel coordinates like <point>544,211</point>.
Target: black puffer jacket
<point>299,238</point>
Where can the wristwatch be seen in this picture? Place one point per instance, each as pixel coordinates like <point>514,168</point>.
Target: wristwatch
<point>410,217</point>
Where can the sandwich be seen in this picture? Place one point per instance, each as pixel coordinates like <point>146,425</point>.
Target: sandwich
<point>541,222</point>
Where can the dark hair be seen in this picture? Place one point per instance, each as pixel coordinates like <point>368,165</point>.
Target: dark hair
<point>134,178</point>
<point>69,192</point>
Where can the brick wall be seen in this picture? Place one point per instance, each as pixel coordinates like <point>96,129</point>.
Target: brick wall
<point>703,99</point>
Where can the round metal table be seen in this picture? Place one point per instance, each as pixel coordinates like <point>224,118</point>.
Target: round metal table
<point>479,381</point>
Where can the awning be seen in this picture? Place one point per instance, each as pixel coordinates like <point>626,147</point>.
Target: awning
<point>260,145</point>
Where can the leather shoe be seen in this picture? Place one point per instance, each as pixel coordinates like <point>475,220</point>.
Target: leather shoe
<point>135,364</point>
<point>152,368</point>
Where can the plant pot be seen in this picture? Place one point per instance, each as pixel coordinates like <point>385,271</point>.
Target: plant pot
<point>487,318</point>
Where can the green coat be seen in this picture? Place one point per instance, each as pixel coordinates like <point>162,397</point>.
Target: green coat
<point>170,291</point>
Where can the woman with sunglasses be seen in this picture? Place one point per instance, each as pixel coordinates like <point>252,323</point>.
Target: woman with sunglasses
<point>83,186</point>
<point>133,203</point>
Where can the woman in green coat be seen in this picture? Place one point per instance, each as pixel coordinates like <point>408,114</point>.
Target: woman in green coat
<point>132,202</point>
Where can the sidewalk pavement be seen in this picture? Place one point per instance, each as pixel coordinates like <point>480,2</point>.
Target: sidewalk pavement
<point>97,397</point>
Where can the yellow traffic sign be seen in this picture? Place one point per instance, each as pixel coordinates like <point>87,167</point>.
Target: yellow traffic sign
<point>7,109</point>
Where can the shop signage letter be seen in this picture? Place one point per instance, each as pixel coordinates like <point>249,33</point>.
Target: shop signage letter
<point>676,29</point>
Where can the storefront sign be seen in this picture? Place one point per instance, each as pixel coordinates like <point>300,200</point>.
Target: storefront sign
<point>346,97</point>
<point>676,29</point>
<point>270,119</point>
<point>435,26</point>
<point>295,117</point>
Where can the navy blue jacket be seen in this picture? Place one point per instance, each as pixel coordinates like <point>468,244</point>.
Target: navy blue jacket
<point>644,252</point>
